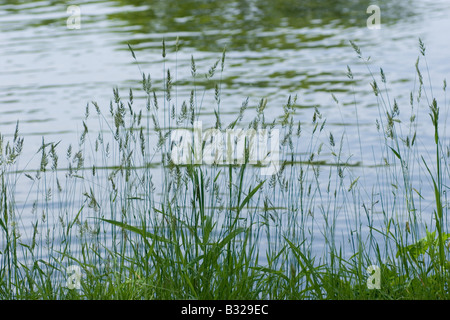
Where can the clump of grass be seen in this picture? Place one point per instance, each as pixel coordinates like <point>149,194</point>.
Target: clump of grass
<point>135,225</point>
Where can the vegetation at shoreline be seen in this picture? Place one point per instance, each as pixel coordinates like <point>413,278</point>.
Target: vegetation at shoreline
<point>134,225</point>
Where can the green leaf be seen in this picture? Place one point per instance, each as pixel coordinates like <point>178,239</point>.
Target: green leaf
<point>353,184</point>
<point>142,232</point>
<point>228,238</point>
<point>396,153</point>
<point>250,195</point>
<point>132,52</point>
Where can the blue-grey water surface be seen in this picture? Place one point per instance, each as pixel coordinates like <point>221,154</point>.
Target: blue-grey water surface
<point>48,72</point>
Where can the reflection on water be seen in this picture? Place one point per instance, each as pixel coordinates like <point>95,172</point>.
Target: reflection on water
<point>274,48</point>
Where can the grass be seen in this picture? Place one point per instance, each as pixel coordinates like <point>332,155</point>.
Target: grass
<point>127,223</point>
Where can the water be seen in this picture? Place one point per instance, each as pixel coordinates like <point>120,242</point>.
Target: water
<point>48,73</point>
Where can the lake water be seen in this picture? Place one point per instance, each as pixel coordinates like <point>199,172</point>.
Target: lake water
<point>49,72</point>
